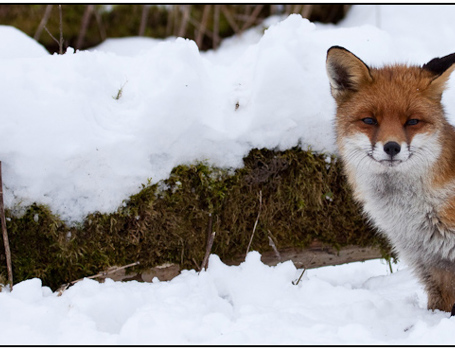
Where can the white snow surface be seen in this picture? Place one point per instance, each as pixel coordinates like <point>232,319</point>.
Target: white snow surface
<point>357,303</point>
<point>68,143</point>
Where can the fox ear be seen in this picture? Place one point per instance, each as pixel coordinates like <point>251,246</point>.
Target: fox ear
<point>441,68</point>
<point>346,71</point>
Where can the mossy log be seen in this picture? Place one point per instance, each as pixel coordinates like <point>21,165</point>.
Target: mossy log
<point>305,199</point>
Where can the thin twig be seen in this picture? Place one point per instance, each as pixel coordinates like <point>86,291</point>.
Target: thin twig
<point>196,264</point>
<point>101,274</point>
<point>170,15</point>
<point>252,18</point>
<point>53,37</point>
<point>230,19</point>
<point>202,26</point>
<point>216,26</point>
<point>307,10</point>
<point>184,23</point>
<point>197,24</point>
<point>43,22</point>
<point>99,22</point>
<point>255,224</point>
<point>301,275</point>
<point>272,244</point>
<point>144,15</point>
<point>61,30</point>
<point>210,239</point>
<point>84,25</point>
<point>9,265</point>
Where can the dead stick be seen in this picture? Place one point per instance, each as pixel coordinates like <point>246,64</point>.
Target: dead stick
<point>143,24</point>
<point>60,44</point>
<point>230,19</point>
<point>216,26</point>
<point>196,264</point>
<point>272,244</point>
<point>210,239</point>
<point>255,224</point>
<point>252,18</point>
<point>9,266</point>
<point>85,22</point>
<point>53,37</point>
<point>99,22</point>
<point>301,275</point>
<point>202,26</point>
<point>184,23</point>
<point>307,10</point>
<point>101,274</point>
<point>43,22</point>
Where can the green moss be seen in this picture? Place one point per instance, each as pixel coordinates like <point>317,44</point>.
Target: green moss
<point>304,198</point>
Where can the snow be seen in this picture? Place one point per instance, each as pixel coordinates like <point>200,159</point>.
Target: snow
<point>81,132</point>
<point>16,44</point>
<point>357,303</point>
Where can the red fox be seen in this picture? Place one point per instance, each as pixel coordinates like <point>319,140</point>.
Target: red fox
<point>398,153</point>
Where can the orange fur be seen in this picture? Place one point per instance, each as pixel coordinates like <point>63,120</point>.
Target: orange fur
<point>401,106</point>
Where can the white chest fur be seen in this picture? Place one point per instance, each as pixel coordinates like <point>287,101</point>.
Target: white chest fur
<point>405,210</point>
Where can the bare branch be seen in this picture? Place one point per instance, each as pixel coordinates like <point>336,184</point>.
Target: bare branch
<point>253,17</point>
<point>230,19</point>
<point>196,264</point>
<point>53,37</point>
<point>255,224</point>
<point>9,265</point>
<point>216,26</point>
<point>101,274</point>
<point>307,10</point>
<point>84,25</point>
<point>202,25</point>
<point>143,25</point>
<point>210,239</point>
<point>272,244</point>
<point>300,278</point>
<point>186,16</point>
<point>60,44</point>
<point>99,22</point>
<point>43,22</point>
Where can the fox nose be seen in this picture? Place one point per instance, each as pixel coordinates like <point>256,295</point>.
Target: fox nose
<point>392,148</point>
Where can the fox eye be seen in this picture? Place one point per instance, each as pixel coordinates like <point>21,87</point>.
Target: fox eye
<point>370,121</point>
<point>412,122</point>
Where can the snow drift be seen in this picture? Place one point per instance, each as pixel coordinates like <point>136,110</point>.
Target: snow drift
<point>81,132</point>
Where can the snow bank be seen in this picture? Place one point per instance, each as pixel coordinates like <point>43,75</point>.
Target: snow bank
<point>358,303</point>
<point>67,141</point>
<point>15,44</point>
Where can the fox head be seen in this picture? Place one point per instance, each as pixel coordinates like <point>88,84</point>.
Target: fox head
<point>388,119</point>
